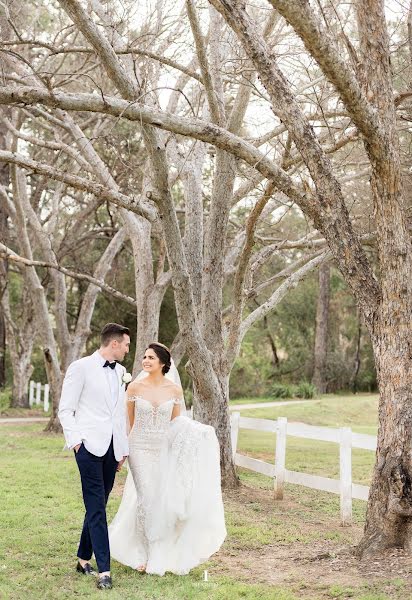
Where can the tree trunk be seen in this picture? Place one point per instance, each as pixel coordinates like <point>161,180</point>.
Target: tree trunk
<point>357,358</point>
<point>20,338</point>
<point>4,181</point>
<point>271,339</point>
<point>148,309</point>
<point>5,31</point>
<point>22,371</point>
<point>3,277</point>
<point>389,513</point>
<point>148,316</point>
<point>39,302</point>
<point>321,332</point>
<point>215,411</point>
<point>55,379</point>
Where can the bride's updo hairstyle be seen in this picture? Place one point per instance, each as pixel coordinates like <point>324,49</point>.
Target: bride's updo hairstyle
<point>163,354</point>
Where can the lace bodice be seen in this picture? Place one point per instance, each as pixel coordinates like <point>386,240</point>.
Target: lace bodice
<point>151,419</point>
<point>171,516</point>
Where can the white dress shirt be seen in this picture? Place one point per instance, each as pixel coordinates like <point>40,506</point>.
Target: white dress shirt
<point>111,378</point>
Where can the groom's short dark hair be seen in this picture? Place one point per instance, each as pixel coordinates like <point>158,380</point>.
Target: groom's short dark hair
<point>113,331</point>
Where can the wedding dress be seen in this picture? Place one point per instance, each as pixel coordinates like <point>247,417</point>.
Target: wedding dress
<point>171,515</point>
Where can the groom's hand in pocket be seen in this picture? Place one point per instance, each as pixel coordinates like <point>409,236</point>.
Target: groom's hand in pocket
<point>121,463</point>
<point>77,448</point>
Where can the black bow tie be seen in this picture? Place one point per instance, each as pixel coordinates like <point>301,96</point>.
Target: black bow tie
<point>109,364</point>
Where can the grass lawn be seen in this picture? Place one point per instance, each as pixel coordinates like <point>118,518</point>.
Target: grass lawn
<point>357,411</point>
<point>289,550</point>
<point>40,518</point>
<point>310,456</point>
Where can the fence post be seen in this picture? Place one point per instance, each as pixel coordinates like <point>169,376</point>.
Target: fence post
<point>345,454</point>
<point>280,457</point>
<point>46,397</point>
<point>38,393</point>
<point>31,393</point>
<point>234,431</point>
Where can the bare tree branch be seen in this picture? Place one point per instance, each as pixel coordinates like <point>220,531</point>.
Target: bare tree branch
<point>130,203</point>
<point>290,283</point>
<point>9,254</point>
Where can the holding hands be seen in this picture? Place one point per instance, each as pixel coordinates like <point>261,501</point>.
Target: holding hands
<point>121,463</point>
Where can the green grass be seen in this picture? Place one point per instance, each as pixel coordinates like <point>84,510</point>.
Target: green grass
<point>356,411</point>
<point>41,513</point>
<point>310,456</point>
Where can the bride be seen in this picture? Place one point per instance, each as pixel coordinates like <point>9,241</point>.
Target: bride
<point>171,515</point>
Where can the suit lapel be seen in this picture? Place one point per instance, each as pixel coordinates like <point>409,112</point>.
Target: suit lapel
<point>103,381</point>
<point>119,373</point>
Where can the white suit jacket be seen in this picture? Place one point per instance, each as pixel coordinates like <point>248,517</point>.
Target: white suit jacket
<point>86,409</point>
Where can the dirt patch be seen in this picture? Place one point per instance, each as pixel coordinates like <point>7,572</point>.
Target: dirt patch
<point>323,568</point>
<point>322,562</point>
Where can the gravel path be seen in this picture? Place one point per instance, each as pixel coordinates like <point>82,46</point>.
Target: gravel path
<point>24,420</point>
<point>267,404</point>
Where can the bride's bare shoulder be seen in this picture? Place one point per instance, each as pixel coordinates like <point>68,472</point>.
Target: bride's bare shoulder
<point>176,390</point>
<point>134,388</point>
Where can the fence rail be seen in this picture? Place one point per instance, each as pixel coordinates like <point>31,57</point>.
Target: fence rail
<point>35,390</point>
<point>344,437</point>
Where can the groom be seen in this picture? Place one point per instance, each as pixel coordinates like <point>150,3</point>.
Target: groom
<point>92,414</point>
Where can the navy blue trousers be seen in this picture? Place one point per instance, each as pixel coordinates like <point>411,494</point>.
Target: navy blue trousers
<point>97,474</point>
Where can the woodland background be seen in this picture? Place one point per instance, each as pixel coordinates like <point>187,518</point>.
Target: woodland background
<point>232,179</point>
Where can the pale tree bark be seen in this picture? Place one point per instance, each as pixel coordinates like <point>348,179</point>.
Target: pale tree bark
<point>389,513</point>
<point>241,278</point>
<point>20,336</point>
<point>321,330</point>
<point>410,30</point>
<point>10,255</point>
<point>82,329</point>
<point>37,291</point>
<point>80,183</point>
<point>322,202</point>
<point>190,127</point>
<point>149,292</point>
<point>4,182</point>
<point>333,221</point>
<point>208,387</point>
<point>206,380</point>
<point>70,344</point>
<point>190,170</point>
<point>386,308</point>
<point>214,276</point>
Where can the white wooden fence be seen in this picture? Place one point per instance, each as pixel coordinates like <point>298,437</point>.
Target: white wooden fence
<point>346,439</point>
<point>35,390</point>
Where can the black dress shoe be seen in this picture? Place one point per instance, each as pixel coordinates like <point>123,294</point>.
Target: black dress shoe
<point>86,570</point>
<point>104,583</point>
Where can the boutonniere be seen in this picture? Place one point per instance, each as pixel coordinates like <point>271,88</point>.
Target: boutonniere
<point>126,378</point>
